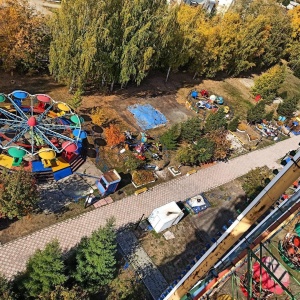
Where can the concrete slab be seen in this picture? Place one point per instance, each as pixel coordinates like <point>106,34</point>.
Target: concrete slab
<point>89,172</point>
<point>74,186</point>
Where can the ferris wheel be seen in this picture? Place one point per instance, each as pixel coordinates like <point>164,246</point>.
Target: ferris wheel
<point>31,124</point>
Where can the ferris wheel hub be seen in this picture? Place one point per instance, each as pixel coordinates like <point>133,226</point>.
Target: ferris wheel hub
<point>32,121</point>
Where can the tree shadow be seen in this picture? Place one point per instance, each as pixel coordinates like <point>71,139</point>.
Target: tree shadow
<point>126,179</point>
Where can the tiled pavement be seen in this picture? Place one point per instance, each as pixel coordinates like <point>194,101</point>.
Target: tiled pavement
<point>13,255</point>
<point>141,262</point>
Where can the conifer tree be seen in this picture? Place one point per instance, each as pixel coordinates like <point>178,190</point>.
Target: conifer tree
<point>95,258</point>
<point>44,271</point>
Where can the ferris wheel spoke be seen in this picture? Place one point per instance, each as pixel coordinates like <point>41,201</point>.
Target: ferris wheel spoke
<point>11,115</point>
<point>11,123</point>
<point>45,138</point>
<point>42,115</point>
<point>59,126</point>
<point>18,109</point>
<point>53,133</point>
<point>16,138</point>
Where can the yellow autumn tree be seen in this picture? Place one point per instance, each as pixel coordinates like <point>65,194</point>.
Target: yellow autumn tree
<point>24,36</point>
<point>98,116</point>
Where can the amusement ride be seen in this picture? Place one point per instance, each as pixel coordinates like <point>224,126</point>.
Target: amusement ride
<point>38,132</point>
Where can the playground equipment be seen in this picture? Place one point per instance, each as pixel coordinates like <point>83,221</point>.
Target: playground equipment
<point>289,248</point>
<point>241,237</point>
<point>261,278</point>
<point>108,182</point>
<point>43,133</point>
<point>31,122</point>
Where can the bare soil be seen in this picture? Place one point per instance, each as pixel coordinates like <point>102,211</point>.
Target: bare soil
<point>194,231</point>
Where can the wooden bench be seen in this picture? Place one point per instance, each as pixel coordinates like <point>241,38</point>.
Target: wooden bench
<point>191,172</point>
<point>140,191</point>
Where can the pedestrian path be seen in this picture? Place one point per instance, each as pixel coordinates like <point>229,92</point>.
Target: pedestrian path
<point>141,262</point>
<point>14,255</point>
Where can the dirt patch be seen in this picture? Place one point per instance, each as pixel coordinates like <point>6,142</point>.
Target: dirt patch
<point>194,232</point>
<point>235,94</point>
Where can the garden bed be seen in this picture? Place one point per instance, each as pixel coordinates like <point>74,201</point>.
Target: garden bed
<point>142,177</point>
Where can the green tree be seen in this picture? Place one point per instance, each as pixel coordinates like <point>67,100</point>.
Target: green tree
<point>187,155</point>
<point>96,258</point>
<point>85,44</point>
<point>256,113</point>
<point>169,139</point>
<point>269,83</point>
<point>288,107</point>
<point>269,115</point>
<point>44,271</point>
<point>216,121</point>
<point>141,20</point>
<point>233,124</point>
<point>132,163</point>
<point>76,100</point>
<point>5,289</point>
<point>205,150</point>
<point>191,130</point>
<point>18,194</point>
<point>221,144</point>
<point>63,293</point>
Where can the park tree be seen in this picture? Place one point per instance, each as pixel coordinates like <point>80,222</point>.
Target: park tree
<point>85,42</point>
<point>132,163</point>
<point>191,130</point>
<point>172,39</point>
<point>113,135</point>
<point>233,124</point>
<point>63,293</point>
<point>44,271</point>
<point>216,121</point>
<point>187,155</point>
<point>99,116</point>
<point>76,100</point>
<point>141,20</point>
<point>256,113</point>
<point>96,258</point>
<point>272,26</point>
<point>204,149</point>
<point>169,139</point>
<point>293,48</point>
<point>5,289</point>
<point>221,144</point>
<point>269,82</point>
<point>288,107</point>
<point>24,36</point>
<point>18,194</point>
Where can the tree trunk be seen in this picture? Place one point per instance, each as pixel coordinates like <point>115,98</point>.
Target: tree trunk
<point>168,74</point>
<point>195,75</point>
<point>112,85</point>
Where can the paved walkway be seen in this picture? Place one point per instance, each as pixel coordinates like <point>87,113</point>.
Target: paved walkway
<point>142,263</point>
<point>13,256</point>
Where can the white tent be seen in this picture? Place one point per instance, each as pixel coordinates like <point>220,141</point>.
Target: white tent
<point>165,216</point>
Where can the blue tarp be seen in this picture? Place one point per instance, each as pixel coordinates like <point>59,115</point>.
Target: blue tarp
<point>147,116</point>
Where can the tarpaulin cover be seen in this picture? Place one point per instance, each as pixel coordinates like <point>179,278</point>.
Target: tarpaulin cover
<point>147,116</point>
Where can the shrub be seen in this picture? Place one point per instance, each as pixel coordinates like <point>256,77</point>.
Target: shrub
<point>233,125</point>
<point>169,139</point>
<point>191,130</point>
